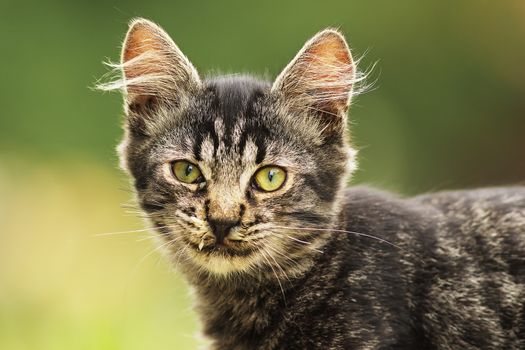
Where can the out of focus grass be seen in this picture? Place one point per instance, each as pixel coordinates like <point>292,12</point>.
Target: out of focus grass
<point>62,285</point>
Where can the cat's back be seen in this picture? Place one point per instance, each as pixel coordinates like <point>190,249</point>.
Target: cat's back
<point>468,249</point>
<point>487,225</point>
<point>479,262</point>
<point>485,201</point>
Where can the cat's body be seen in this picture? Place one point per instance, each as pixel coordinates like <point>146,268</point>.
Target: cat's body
<point>245,183</point>
<point>456,280</point>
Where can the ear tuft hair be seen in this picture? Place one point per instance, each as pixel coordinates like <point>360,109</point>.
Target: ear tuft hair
<point>321,77</point>
<point>152,68</point>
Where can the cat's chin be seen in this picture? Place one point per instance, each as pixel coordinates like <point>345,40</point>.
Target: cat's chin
<point>223,260</point>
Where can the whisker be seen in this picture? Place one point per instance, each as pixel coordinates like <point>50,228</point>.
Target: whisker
<point>277,264</point>
<point>180,253</point>
<point>145,238</point>
<point>297,240</point>
<point>125,232</point>
<point>342,231</point>
<point>158,248</point>
<point>275,273</point>
<point>288,259</point>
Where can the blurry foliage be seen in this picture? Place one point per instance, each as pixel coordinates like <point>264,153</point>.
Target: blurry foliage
<point>447,111</point>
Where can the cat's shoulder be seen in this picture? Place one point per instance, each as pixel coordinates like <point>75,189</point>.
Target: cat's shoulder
<point>381,206</point>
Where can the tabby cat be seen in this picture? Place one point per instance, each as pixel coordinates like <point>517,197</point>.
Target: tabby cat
<point>244,180</point>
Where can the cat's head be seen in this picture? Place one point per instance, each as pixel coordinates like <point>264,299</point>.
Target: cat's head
<point>236,173</point>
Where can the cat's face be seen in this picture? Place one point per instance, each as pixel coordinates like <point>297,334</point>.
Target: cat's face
<point>237,174</point>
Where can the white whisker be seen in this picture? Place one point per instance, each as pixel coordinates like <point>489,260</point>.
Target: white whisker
<point>274,272</point>
<point>125,232</point>
<point>296,240</point>
<point>341,231</point>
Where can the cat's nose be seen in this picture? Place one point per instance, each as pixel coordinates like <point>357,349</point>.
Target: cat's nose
<point>221,228</point>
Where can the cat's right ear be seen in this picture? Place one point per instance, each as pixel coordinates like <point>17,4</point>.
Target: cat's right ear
<point>154,72</point>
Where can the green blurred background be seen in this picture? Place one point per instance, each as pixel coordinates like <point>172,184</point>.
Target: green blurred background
<point>447,111</point>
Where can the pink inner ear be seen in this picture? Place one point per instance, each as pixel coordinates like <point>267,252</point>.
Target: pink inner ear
<point>331,50</point>
<point>321,77</point>
<point>331,72</point>
<point>141,40</point>
<point>153,65</point>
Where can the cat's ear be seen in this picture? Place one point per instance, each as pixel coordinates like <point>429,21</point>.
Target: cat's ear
<point>154,69</point>
<point>320,79</point>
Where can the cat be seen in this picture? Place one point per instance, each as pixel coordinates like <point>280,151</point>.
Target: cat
<point>244,181</point>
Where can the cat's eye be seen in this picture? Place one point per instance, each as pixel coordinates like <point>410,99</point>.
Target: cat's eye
<point>186,172</point>
<point>270,178</point>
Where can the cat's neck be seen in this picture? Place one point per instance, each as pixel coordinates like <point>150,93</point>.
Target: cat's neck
<point>252,303</point>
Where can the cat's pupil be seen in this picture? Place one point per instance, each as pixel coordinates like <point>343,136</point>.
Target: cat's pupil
<point>189,169</point>
<point>271,174</point>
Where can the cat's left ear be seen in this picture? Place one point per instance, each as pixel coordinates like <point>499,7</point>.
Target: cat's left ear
<point>319,80</point>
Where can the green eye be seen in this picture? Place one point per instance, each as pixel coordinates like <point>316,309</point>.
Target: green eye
<point>185,171</point>
<point>270,178</point>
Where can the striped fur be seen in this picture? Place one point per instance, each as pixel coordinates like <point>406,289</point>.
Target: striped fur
<point>312,265</point>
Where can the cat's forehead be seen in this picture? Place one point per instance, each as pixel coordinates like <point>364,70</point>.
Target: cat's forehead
<point>231,119</point>
<point>233,96</point>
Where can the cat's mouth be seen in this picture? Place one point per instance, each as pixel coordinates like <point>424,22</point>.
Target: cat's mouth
<point>226,248</point>
<point>223,259</point>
